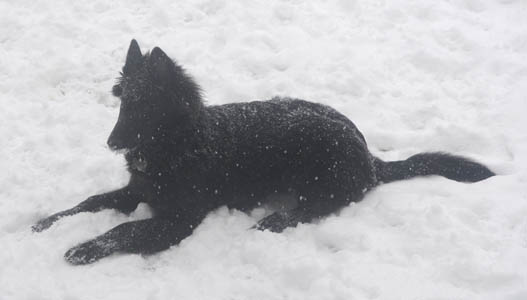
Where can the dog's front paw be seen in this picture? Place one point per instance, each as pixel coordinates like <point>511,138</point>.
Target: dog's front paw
<point>44,224</point>
<point>89,252</point>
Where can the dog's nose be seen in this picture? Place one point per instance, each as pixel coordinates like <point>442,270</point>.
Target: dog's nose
<point>112,144</point>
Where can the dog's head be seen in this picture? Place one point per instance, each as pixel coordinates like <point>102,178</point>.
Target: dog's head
<point>156,96</point>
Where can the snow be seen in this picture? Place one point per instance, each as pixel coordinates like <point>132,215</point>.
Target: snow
<point>413,76</point>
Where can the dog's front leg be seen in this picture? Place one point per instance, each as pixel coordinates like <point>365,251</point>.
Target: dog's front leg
<point>123,200</point>
<point>142,237</point>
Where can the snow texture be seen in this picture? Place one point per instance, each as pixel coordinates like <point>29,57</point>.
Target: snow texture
<point>413,76</point>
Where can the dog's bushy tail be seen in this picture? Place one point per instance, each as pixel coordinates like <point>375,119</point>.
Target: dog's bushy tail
<point>450,166</point>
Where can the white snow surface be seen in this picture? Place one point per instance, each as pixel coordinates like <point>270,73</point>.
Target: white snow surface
<point>414,76</point>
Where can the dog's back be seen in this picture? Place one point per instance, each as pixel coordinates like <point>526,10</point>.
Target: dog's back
<point>286,145</point>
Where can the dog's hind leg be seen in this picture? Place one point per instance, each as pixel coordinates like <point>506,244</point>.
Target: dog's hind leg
<point>142,237</point>
<point>280,220</point>
<point>122,200</point>
<point>315,202</point>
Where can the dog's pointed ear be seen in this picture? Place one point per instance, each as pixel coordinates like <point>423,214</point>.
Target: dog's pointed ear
<point>161,63</point>
<point>133,58</point>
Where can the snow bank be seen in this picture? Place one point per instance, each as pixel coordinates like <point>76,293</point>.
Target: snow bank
<point>414,76</point>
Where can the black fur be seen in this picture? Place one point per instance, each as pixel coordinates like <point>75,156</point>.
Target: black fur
<point>187,159</point>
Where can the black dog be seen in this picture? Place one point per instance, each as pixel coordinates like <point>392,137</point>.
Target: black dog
<point>187,159</point>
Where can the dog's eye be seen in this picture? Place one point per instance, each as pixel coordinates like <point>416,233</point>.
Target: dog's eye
<point>117,90</point>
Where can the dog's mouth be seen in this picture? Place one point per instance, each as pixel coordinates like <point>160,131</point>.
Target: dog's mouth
<point>123,151</point>
<point>121,148</point>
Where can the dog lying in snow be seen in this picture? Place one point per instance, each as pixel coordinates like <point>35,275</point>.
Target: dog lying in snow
<point>186,159</point>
